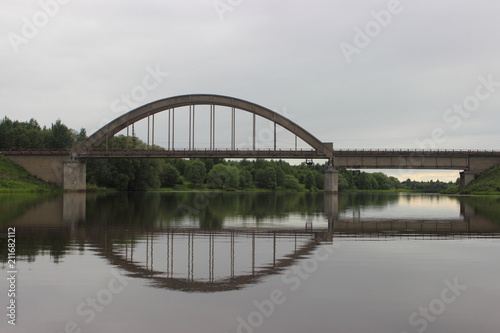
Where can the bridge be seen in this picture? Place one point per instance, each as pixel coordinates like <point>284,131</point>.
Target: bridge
<point>67,168</point>
<point>472,162</point>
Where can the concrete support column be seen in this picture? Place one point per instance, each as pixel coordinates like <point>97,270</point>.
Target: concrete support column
<point>331,180</point>
<point>74,175</point>
<point>466,177</point>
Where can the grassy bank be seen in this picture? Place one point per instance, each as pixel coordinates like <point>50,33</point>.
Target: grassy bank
<point>14,178</point>
<point>487,183</point>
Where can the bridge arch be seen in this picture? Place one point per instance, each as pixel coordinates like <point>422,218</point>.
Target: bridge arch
<point>133,116</point>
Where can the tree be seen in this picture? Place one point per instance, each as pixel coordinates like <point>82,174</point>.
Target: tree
<point>246,180</point>
<point>195,172</point>
<point>343,183</point>
<point>223,176</point>
<point>319,179</point>
<point>61,136</point>
<point>291,182</point>
<point>265,178</point>
<point>366,181</point>
<point>169,177</point>
<point>280,176</point>
<point>394,183</point>
<point>81,136</point>
<point>309,181</point>
<point>382,181</point>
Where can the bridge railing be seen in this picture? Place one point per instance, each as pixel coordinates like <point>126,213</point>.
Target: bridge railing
<point>35,152</point>
<point>227,153</point>
<point>416,152</point>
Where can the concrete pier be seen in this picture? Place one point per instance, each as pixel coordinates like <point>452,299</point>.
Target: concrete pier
<point>331,180</point>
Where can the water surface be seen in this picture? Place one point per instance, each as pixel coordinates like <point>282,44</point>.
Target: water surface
<point>253,262</point>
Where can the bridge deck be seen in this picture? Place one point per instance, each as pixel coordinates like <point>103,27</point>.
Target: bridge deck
<point>353,159</point>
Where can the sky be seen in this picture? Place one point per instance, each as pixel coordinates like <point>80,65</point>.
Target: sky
<point>361,74</point>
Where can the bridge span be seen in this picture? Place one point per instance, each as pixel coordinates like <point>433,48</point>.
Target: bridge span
<point>50,164</point>
<point>67,168</point>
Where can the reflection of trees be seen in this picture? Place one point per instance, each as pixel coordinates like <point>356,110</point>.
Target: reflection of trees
<point>29,244</point>
<point>13,205</point>
<point>209,208</point>
<point>359,200</point>
<point>487,207</point>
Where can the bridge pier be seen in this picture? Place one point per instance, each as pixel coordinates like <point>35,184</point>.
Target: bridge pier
<point>466,177</point>
<point>331,179</point>
<point>74,175</point>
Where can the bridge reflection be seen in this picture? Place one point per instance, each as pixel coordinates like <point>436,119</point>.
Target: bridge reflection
<point>202,261</point>
<point>233,241</point>
<point>349,213</point>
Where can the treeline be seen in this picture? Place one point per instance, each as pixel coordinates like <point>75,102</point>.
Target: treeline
<point>135,174</point>
<point>360,180</point>
<point>30,135</point>
<point>212,173</point>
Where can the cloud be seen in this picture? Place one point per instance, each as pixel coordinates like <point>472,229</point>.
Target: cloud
<point>392,93</point>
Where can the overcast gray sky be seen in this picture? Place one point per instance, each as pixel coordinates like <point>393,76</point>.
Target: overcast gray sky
<point>363,74</point>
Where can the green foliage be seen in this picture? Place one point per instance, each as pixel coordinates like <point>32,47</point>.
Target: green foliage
<point>195,172</point>
<point>343,182</point>
<point>169,176</point>
<point>280,176</point>
<point>356,180</point>
<point>428,186</point>
<point>487,182</point>
<point>29,135</point>
<point>265,178</point>
<point>13,178</point>
<point>309,181</point>
<point>61,136</point>
<point>319,180</point>
<point>223,177</point>
<point>291,183</point>
<point>140,174</point>
<point>246,180</point>
<point>133,174</point>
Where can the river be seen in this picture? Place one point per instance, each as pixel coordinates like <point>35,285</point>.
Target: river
<point>249,262</point>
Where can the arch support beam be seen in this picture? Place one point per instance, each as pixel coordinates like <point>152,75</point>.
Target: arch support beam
<point>322,150</point>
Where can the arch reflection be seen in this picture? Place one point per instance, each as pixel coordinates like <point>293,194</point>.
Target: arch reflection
<point>206,261</point>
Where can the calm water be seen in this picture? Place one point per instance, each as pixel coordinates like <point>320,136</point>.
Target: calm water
<point>251,262</point>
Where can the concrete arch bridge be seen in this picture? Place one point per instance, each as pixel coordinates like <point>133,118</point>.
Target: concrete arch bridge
<point>67,168</point>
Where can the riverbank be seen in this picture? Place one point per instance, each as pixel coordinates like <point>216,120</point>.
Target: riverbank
<point>486,183</point>
<point>14,178</point>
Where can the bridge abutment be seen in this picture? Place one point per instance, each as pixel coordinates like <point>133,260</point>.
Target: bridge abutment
<point>466,177</point>
<point>62,171</point>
